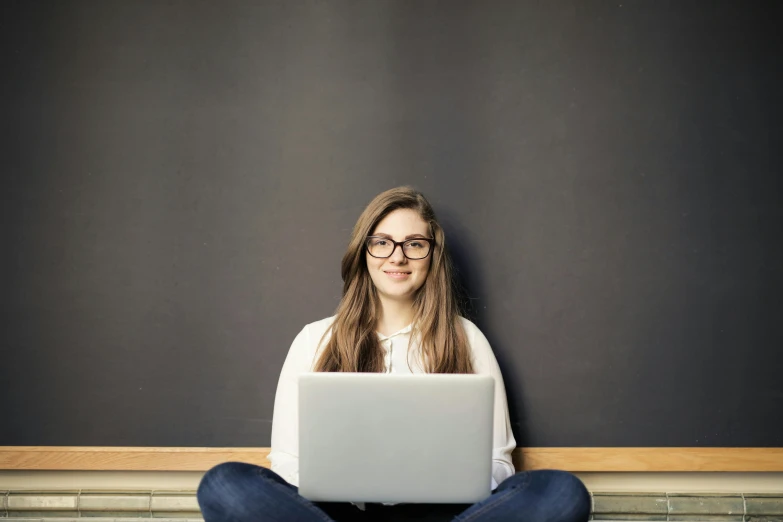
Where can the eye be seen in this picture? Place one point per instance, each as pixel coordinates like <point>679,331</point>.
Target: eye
<point>379,241</point>
<point>416,244</point>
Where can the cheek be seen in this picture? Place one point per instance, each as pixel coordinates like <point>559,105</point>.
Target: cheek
<point>372,262</point>
<point>372,268</point>
<point>423,271</point>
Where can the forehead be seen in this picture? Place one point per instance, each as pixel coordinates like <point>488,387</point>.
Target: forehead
<point>402,222</point>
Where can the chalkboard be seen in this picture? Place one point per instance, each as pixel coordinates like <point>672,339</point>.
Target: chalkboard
<point>180,179</point>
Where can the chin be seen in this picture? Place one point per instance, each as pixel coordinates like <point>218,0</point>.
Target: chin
<point>406,295</point>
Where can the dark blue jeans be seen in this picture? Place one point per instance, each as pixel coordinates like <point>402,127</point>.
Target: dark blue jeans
<point>237,492</point>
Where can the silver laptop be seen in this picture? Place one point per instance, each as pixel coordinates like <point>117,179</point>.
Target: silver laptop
<point>366,437</point>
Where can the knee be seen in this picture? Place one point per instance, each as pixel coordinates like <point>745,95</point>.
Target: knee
<point>217,479</point>
<point>222,485</point>
<point>569,490</point>
<point>560,495</point>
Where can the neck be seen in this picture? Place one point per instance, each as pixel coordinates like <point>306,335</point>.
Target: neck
<point>395,315</point>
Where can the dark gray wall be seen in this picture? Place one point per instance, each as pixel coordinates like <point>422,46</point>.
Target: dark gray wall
<point>180,179</point>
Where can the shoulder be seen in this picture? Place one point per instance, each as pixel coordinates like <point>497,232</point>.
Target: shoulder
<point>471,330</point>
<point>312,333</point>
<point>319,328</point>
<point>479,346</point>
<point>307,342</point>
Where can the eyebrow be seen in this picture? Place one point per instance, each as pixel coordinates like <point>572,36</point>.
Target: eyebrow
<point>409,236</point>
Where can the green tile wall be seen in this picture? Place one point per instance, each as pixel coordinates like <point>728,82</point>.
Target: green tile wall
<point>181,506</point>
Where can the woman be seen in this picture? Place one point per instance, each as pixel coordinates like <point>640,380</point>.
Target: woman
<point>398,314</point>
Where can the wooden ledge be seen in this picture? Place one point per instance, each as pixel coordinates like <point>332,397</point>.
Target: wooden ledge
<point>83,458</point>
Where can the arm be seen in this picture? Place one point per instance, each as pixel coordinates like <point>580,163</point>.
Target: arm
<point>285,420</point>
<point>503,439</point>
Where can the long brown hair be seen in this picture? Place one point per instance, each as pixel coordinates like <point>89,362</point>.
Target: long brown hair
<point>354,345</point>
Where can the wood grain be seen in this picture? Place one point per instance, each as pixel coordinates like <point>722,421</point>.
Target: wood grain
<point>650,459</point>
<point>78,458</point>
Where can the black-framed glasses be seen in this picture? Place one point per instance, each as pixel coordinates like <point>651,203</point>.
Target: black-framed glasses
<point>383,247</point>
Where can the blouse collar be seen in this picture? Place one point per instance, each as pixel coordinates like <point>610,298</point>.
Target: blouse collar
<point>405,330</point>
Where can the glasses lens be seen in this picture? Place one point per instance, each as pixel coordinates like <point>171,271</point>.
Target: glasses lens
<point>379,247</point>
<point>416,248</point>
<point>413,248</point>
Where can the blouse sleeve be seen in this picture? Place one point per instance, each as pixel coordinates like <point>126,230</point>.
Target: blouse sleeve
<point>503,439</point>
<point>284,455</point>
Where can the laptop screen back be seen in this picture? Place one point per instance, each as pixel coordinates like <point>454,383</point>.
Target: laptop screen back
<point>424,438</point>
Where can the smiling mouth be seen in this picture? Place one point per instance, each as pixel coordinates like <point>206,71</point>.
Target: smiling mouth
<point>392,273</point>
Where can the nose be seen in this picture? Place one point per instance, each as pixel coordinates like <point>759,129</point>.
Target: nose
<point>397,256</point>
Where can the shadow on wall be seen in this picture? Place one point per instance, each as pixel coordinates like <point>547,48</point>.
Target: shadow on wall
<point>470,284</point>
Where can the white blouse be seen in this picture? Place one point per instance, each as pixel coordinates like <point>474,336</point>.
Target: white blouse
<point>302,357</point>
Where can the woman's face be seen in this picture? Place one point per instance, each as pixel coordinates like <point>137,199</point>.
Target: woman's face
<point>397,277</point>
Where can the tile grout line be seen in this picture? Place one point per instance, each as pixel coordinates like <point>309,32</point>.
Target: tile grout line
<point>668,506</point>
<point>592,505</point>
<point>7,500</point>
<point>744,507</point>
<point>78,503</point>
